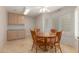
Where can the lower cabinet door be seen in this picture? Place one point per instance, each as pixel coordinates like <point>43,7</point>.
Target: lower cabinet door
<point>18,34</point>
<point>12,35</point>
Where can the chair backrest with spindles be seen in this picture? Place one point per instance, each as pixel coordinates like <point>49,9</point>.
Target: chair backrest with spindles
<point>53,30</point>
<point>33,35</point>
<point>58,34</point>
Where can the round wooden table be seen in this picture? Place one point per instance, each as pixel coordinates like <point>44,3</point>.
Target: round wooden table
<point>46,36</point>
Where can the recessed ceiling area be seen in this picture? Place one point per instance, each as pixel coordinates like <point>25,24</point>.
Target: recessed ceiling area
<point>34,10</point>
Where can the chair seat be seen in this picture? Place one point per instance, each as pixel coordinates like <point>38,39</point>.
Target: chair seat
<point>57,43</point>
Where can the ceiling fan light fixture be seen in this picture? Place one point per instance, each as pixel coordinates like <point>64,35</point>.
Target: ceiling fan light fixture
<point>44,10</point>
<point>26,11</point>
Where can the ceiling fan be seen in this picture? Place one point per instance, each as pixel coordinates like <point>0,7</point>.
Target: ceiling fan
<point>42,9</point>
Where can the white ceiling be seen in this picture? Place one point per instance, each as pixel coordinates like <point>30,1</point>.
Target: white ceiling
<point>15,9</point>
<point>34,10</point>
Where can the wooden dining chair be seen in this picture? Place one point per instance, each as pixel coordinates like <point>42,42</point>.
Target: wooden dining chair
<point>36,41</point>
<point>53,30</point>
<point>57,41</point>
<point>33,37</point>
<point>52,40</point>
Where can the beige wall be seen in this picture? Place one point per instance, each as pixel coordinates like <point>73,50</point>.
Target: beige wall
<point>39,19</point>
<point>3,25</point>
<point>45,22</point>
<point>66,22</point>
<point>29,24</point>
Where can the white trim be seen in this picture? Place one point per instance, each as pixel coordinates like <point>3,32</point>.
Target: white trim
<point>76,23</point>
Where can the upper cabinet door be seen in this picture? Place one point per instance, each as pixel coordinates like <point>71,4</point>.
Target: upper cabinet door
<point>15,19</point>
<point>21,19</point>
<point>10,19</point>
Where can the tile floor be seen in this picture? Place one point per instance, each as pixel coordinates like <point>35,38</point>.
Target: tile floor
<point>24,46</point>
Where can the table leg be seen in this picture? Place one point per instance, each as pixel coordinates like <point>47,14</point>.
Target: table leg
<point>45,45</point>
